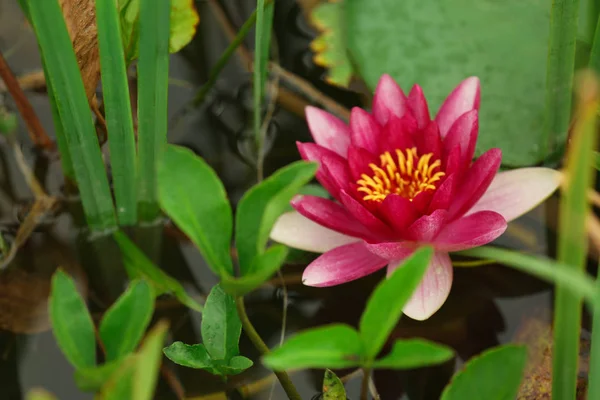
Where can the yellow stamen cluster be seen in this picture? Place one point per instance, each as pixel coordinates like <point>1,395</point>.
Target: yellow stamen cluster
<point>406,175</point>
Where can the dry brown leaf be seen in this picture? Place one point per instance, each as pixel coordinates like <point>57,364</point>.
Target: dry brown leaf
<point>80,16</point>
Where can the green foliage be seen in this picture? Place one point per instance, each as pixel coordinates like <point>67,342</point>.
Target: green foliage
<point>183,22</point>
<point>333,388</point>
<point>192,195</point>
<point>260,207</point>
<point>139,266</point>
<point>221,329</point>
<point>39,394</point>
<point>439,43</point>
<point>340,346</point>
<point>93,378</point>
<point>125,322</point>
<point>330,47</point>
<point>71,322</point>
<point>148,363</point>
<point>496,375</point>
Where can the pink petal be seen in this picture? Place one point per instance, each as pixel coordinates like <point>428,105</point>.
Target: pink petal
<point>427,227</point>
<point>392,250</point>
<point>299,232</point>
<point>359,160</point>
<point>434,289</point>
<point>398,212</point>
<point>337,170</point>
<point>342,264</point>
<point>314,152</point>
<point>452,161</point>
<point>463,134</point>
<point>330,215</point>
<point>422,200</point>
<point>462,99</point>
<point>398,133</point>
<point>476,181</point>
<point>328,131</point>
<point>418,105</point>
<point>364,130</point>
<point>471,231</point>
<point>389,100</point>
<point>365,217</point>
<point>513,193</point>
<point>429,141</point>
<point>442,198</point>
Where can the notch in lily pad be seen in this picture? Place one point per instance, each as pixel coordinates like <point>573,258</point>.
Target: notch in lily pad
<point>221,329</point>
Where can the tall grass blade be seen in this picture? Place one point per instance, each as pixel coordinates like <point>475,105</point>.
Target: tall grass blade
<point>119,121</point>
<point>71,101</point>
<point>153,75</point>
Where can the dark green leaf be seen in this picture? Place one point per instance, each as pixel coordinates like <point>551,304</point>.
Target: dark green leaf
<point>330,346</point>
<point>330,47</point>
<point>494,375</point>
<point>221,326</point>
<point>191,356</point>
<point>414,353</point>
<point>439,43</point>
<point>139,266</point>
<point>237,365</point>
<point>71,322</point>
<point>77,122</point>
<point>148,362</point>
<point>262,268</point>
<point>194,197</point>
<point>93,378</point>
<point>260,207</point>
<point>125,322</point>
<point>384,307</point>
<point>333,388</point>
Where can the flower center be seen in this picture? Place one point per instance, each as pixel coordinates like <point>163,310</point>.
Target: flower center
<point>407,175</point>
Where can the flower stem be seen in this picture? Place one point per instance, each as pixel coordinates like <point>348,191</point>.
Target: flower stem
<point>364,389</point>
<point>262,348</point>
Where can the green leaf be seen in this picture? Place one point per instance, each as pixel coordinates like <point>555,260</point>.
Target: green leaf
<point>330,47</point>
<point>120,384</point>
<point>384,307</point>
<point>148,362</point>
<point>125,322</point>
<point>139,266</point>
<point>333,388</point>
<point>62,71</point>
<point>117,105</point>
<point>93,378</point>
<point>237,365</point>
<point>330,346</point>
<point>71,322</point>
<point>191,356</point>
<point>221,325</point>
<point>260,207</point>
<point>439,43</point>
<point>495,375</point>
<point>261,269</point>
<point>193,196</point>
<point>597,161</point>
<point>184,20</point>
<point>414,353</point>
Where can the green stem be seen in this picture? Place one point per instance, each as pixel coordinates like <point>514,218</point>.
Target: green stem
<point>595,53</point>
<point>560,68</point>
<point>575,281</point>
<point>364,388</point>
<point>594,373</point>
<point>262,348</point>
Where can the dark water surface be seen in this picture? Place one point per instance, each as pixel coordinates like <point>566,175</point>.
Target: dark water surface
<point>487,306</point>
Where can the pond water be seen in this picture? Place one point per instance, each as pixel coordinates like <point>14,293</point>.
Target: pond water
<point>488,305</point>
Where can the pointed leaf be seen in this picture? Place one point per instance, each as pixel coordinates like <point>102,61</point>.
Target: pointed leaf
<point>237,365</point>
<point>221,325</point>
<point>194,198</point>
<point>125,322</point>
<point>414,353</point>
<point>93,378</point>
<point>191,356</point>
<point>260,207</point>
<point>333,346</point>
<point>262,268</point>
<point>71,322</point>
<point>495,375</point>
<point>139,266</point>
<point>333,388</point>
<point>384,307</point>
<point>148,363</point>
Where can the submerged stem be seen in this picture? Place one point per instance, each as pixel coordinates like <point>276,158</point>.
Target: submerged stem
<point>262,348</point>
<point>364,388</point>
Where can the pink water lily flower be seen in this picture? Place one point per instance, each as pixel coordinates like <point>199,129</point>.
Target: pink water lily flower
<point>401,180</point>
